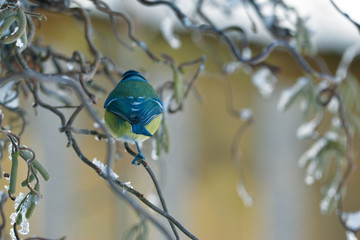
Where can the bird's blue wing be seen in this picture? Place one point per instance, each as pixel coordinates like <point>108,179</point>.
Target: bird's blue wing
<point>149,110</point>
<point>137,111</point>
<point>119,107</point>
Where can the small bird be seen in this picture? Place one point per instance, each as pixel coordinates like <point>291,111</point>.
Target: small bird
<point>133,110</point>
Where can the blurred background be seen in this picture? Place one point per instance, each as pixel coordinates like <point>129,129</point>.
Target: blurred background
<point>198,175</point>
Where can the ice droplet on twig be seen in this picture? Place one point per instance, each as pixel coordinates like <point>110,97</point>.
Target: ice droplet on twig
<point>310,171</point>
<point>244,194</point>
<point>288,95</point>
<point>128,184</point>
<point>333,105</point>
<point>245,114</point>
<point>351,219</point>
<point>350,236</point>
<point>265,81</point>
<point>307,129</point>
<point>246,53</point>
<point>19,43</point>
<point>167,30</point>
<point>312,152</point>
<point>309,180</point>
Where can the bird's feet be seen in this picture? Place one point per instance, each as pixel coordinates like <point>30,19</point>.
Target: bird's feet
<point>138,159</point>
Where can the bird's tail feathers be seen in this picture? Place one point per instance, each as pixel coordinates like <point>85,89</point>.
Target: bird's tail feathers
<point>138,129</point>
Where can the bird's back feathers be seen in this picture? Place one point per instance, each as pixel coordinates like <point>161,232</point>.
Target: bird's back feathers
<point>138,110</point>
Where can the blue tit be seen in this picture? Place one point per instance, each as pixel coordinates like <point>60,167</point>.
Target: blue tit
<point>133,110</point>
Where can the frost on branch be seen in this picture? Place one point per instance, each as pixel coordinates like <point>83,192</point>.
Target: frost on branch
<point>288,96</point>
<point>317,160</point>
<point>24,206</point>
<point>246,114</point>
<point>244,194</point>
<point>350,236</point>
<point>103,167</point>
<point>352,220</point>
<point>265,81</point>
<point>167,29</point>
<point>307,130</point>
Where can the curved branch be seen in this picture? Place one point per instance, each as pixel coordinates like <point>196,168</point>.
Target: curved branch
<point>234,49</point>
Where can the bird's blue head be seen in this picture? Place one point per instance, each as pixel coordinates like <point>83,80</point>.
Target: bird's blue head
<point>132,75</point>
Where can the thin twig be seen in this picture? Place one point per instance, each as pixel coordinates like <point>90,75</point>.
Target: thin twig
<point>156,184</point>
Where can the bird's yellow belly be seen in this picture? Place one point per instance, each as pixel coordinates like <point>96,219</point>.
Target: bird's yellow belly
<point>121,129</point>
